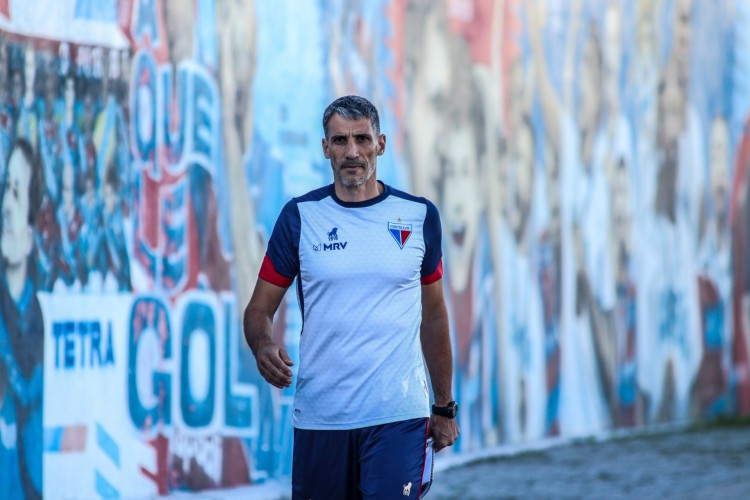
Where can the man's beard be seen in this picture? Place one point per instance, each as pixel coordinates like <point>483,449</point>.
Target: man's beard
<point>355,182</point>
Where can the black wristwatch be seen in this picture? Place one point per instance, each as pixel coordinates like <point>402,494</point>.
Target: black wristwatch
<point>449,411</point>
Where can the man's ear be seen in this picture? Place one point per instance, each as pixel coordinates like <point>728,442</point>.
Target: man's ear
<point>326,153</point>
<point>381,144</point>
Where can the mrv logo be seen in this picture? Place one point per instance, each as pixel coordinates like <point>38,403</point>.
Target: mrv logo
<point>333,236</point>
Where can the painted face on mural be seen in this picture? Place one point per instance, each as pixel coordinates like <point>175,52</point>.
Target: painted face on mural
<point>719,158</point>
<point>29,68</point>
<point>612,53</point>
<point>671,105</point>
<point>428,72</point>
<point>461,205</point>
<point>621,204</point>
<point>109,196</point>
<point>436,66</point>
<point>518,85</point>
<point>240,35</point>
<point>68,188</point>
<point>523,170</point>
<point>590,84</point>
<point>552,168</point>
<point>683,33</point>
<point>179,20</point>
<point>3,63</point>
<point>353,147</point>
<point>645,28</point>
<point>70,97</point>
<point>51,83</point>
<point>16,230</point>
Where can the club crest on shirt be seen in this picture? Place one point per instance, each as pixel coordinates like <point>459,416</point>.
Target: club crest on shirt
<point>400,232</point>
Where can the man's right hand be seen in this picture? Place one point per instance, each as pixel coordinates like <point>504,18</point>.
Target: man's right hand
<point>273,364</point>
<point>273,361</point>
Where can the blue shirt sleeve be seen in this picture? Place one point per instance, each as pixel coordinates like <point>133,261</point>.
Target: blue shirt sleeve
<point>283,247</point>
<point>433,235</point>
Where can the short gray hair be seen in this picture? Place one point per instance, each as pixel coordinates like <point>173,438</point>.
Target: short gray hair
<point>352,107</point>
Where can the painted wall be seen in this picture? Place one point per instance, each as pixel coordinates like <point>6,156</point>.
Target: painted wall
<point>589,159</point>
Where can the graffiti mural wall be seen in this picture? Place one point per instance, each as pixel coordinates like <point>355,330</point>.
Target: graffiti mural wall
<point>590,161</point>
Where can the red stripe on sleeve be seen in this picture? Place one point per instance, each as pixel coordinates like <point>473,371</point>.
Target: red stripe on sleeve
<point>268,272</point>
<point>432,278</point>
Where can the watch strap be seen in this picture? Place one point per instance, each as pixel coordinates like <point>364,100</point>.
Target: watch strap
<point>448,411</point>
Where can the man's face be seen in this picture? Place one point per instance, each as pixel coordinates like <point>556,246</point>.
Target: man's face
<point>353,148</point>
<point>16,241</point>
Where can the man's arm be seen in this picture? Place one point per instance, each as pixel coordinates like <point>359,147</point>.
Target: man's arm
<point>436,347</point>
<point>273,361</point>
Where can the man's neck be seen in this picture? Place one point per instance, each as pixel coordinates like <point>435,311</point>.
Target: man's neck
<point>370,189</point>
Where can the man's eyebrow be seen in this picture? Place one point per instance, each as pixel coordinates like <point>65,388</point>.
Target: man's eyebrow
<point>363,133</point>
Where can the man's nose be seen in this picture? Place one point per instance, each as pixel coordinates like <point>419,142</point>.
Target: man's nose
<point>351,148</point>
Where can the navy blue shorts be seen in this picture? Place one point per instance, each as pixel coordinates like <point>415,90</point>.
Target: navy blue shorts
<point>382,461</point>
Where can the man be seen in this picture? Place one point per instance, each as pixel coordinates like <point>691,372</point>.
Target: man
<point>21,331</point>
<point>369,266</point>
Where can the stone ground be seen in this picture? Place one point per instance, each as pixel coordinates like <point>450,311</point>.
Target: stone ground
<point>695,463</point>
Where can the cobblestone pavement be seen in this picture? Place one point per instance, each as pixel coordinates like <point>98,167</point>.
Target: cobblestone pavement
<point>695,464</point>
<point>704,463</point>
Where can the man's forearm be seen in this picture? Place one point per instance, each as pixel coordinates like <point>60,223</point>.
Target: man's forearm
<point>258,328</point>
<point>258,318</point>
<point>436,347</point>
<point>274,363</point>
